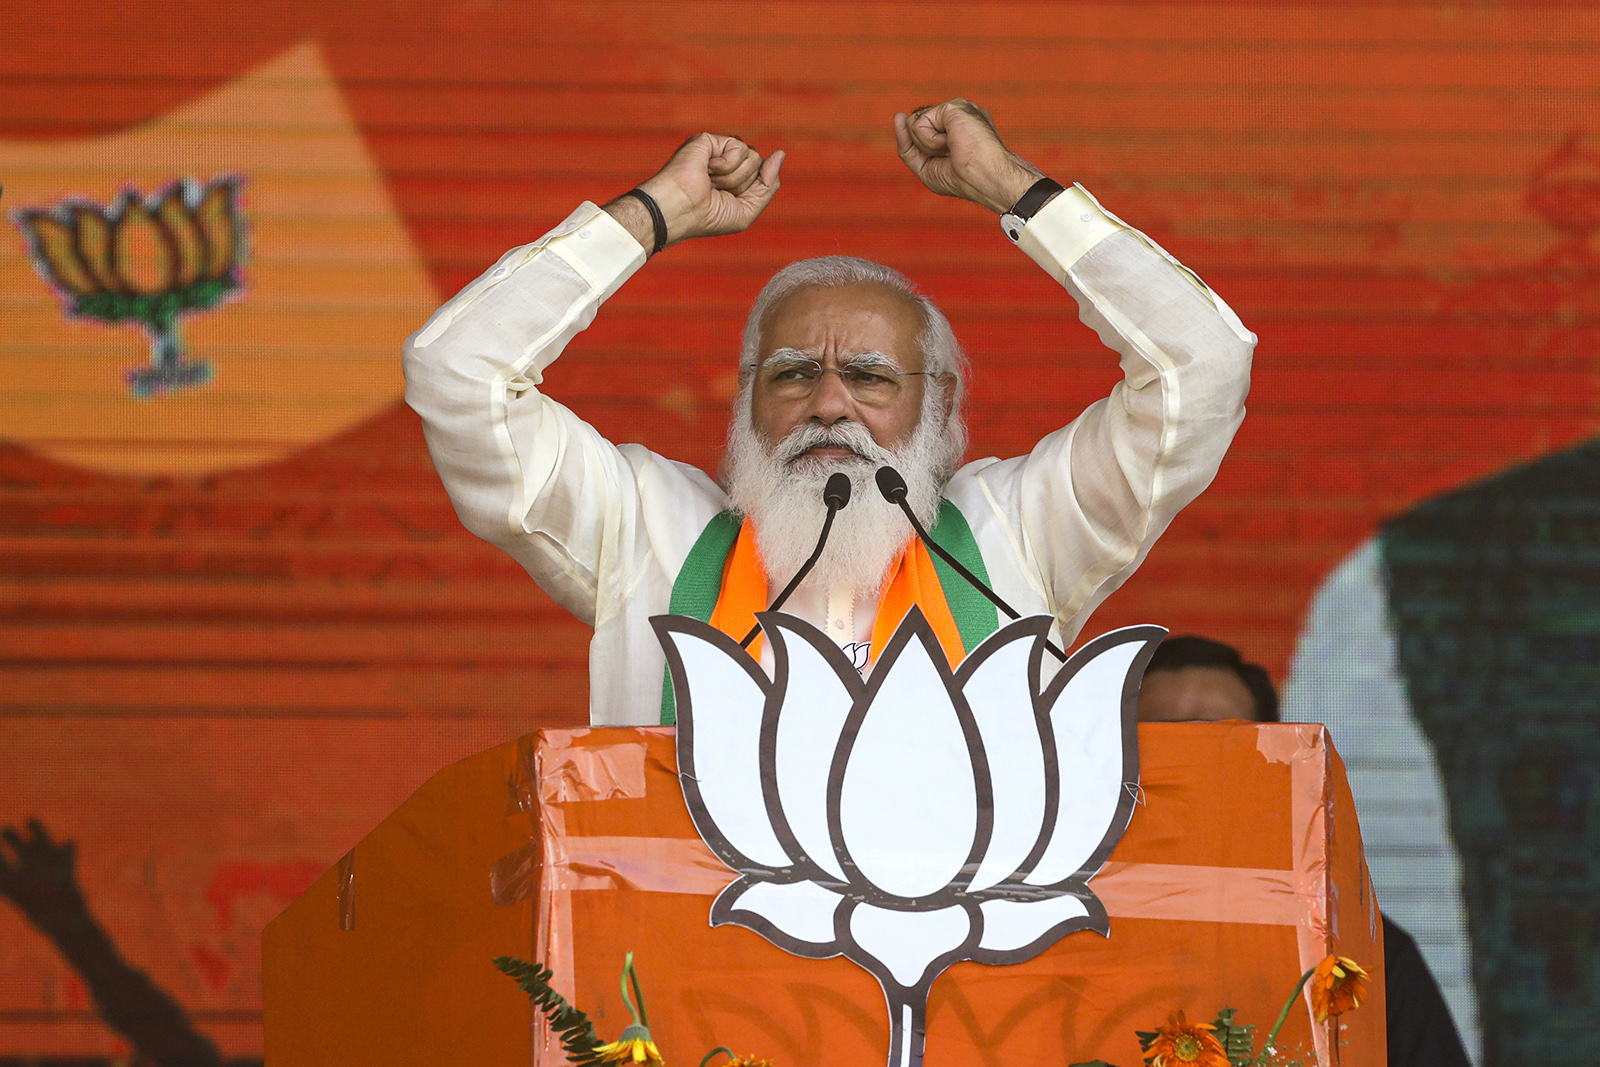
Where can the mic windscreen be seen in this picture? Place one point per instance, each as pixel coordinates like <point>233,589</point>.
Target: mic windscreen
<point>891,485</point>
<point>836,494</point>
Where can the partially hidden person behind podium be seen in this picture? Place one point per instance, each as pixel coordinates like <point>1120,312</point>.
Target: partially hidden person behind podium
<point>1196,679</point>
<point>845,367</point>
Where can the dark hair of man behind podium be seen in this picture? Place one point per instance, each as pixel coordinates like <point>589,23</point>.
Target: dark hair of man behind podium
<point>1190,650</point>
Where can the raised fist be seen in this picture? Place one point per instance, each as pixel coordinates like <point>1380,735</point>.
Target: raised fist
<point>956,151</point>
<point>38,874</point>
<point>714,184</point>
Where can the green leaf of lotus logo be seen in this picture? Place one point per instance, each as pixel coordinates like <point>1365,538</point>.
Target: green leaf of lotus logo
<point>145,260</point>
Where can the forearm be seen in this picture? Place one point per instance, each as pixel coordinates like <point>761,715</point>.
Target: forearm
<point>632,215</point>
<point>1184,354</point>
<point>128,1000</point>
<point>522,471</point>
<point>473,371</point>
<point>1102,490</point>
<point>1186,370</point>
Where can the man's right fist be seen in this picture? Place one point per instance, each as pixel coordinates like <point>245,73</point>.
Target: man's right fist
<point>714,184</point>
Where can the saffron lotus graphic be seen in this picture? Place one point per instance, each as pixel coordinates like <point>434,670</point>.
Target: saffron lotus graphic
<point>148,261</point>
<point>916,818</point>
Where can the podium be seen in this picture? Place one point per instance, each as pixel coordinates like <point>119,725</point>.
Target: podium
<point>1241,868</point>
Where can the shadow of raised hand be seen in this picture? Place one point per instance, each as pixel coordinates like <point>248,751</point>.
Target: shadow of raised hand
<point>39,875</point>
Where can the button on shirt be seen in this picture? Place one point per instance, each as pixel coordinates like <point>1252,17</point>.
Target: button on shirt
<point>605,528</point>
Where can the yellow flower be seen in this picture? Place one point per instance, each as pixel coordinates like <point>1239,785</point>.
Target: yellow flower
<point>634,1046</point>
<point>1338,984</point>
<point>1180,1043</point>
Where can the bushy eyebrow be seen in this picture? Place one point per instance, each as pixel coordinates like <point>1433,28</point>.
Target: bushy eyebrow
<point>787,357</point>
<point>873,359</point>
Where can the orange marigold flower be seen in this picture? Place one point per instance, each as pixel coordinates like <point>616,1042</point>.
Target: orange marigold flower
<point>734,1061</point>
<point>1181,1043</point>
<point>1337,985</point>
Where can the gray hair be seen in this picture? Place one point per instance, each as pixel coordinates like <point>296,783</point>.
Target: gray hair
<point>941,352</point>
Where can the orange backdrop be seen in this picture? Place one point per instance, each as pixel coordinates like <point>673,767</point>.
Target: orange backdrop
<point>239,622</point>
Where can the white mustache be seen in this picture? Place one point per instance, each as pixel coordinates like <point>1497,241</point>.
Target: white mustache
<point>777,485</point>
<point>851,435</point>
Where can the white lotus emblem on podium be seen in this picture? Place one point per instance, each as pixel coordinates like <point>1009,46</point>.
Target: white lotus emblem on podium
<point>919,817</point>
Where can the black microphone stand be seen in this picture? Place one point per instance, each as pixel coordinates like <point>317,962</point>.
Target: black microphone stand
<point>893,488</point>
<point>836,494</point>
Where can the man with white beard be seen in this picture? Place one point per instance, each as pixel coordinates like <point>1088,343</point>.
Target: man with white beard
<point>778,483</point>
<point>845,367</point>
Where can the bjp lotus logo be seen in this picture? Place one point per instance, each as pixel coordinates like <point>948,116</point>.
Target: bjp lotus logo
<point>148,261</point>
<point>916,818</point>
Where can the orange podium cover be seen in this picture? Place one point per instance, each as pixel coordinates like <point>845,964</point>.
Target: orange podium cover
<point>1241,868</point>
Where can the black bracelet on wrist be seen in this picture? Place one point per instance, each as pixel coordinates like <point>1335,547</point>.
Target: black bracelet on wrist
<point>656,217</point>
<point>1028,205</point>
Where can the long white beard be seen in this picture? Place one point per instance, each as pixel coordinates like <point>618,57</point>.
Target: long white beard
<point>780,489</point>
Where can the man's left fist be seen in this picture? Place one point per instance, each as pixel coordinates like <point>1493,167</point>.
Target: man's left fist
<point>956,151</point>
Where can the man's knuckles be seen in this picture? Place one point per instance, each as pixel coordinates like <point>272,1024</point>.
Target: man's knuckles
<point>930,142</point>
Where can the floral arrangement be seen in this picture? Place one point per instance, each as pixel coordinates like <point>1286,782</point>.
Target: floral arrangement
<point>577,1034</point>
<point>1338,985</point>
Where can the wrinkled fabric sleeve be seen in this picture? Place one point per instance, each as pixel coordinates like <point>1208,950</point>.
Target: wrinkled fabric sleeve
<point>523,471</point>
<point>1090,500</point>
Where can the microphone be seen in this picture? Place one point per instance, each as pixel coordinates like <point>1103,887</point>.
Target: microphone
<point>836,494</point>
<point>893,488</point>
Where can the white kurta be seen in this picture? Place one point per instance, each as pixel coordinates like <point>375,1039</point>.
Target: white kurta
<point>605,528</point>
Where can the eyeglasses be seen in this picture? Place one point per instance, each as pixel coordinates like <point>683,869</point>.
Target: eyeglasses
<point>874,382</point>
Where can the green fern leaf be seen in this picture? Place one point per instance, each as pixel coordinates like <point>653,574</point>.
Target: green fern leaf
<point>571,1026</point>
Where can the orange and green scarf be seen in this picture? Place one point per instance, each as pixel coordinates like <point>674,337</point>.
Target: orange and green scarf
<point>723,583</point>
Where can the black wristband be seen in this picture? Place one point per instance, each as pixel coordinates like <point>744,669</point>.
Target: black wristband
<point>1028,205</point>
<point>656,217</point>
